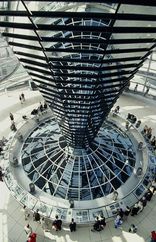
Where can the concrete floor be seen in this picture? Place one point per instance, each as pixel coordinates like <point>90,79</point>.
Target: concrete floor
<point>11,214</point>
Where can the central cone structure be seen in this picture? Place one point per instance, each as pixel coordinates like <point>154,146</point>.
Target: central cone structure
<point>81,57</point>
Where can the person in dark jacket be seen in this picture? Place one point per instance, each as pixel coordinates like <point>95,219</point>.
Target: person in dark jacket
<point>36,216</point>
<point>11,117</point>
<point>96,225</point>
<point>149,195</point>
<point>135,210</point>
<point>72,226</point>
<point>57,223</point>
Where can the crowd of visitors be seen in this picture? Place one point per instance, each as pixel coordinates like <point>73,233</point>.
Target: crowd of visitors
<point>56,224</point>
<point>40,109</point>
<point>147,131</point>
<point>100,222</point>
<point>150,138</point>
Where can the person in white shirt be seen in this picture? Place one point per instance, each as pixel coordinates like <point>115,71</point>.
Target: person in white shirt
<point>28,230</point>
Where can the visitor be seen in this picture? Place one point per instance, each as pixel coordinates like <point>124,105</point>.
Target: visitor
<point>57,223</point>
<point>44,224</point>
<point>117,221</point>
<point>140,206</point>
<point>146,92</point>
<point>117,109</point>
<point>127,125</point>
<point>133,228</point>
<point>135,210</point>
<point>153,141</point>
<point>149,133</point>
<point>32,237</point>
<point>25,117</point>
<point>133,119</point>
<point>1,149</point>
<point>127,212</point>
<point>26,213</point>
<point>145,129</point>
<point>23,97</point>
<point>41,108</point>
<point>45,105</point>
<point>72,226</point>
<point>28,230</point>
<point>148,195</point>
<point>115,195</point>
<point>34,112</point>
<point>144,201</point>
<point>1,174</point>
<point>153,236</point>
<point>4,140</point>
<point>138,124</point>
<point>21,100</point>
<point>140,145</point>
<point>11,117</point>
<point>36,216</point>
<point>102,222</point>
<point>136,86</point>
<point>120,212</point>
<point>13,127</point>
<point>96,225</point>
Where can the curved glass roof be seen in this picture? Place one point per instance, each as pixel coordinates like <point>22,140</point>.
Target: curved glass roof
<point>77,174</point>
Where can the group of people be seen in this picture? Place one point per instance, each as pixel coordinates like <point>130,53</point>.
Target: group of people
<point>133,119</point>
<point>122,214</point>
<point>147,133</point>
<point>146,91</point>
<point>31,236</point>
<point>13,126</point>
<point>40,109</point>
<point>56,224</point>
<point>116,110</point>
<point>99,224</point>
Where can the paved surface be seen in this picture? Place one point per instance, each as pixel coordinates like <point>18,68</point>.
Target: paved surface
<point>11,213</point>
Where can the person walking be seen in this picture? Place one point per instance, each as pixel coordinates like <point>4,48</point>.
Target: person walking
<point>23,97</point>
<point>26,213</point>
<point>28,230</point>
<point>136,87</point>
<point>21,100</point>
<point>11,117</point>
<point>146,92</point>
<point>72,226</point>
<point>44,224</point>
